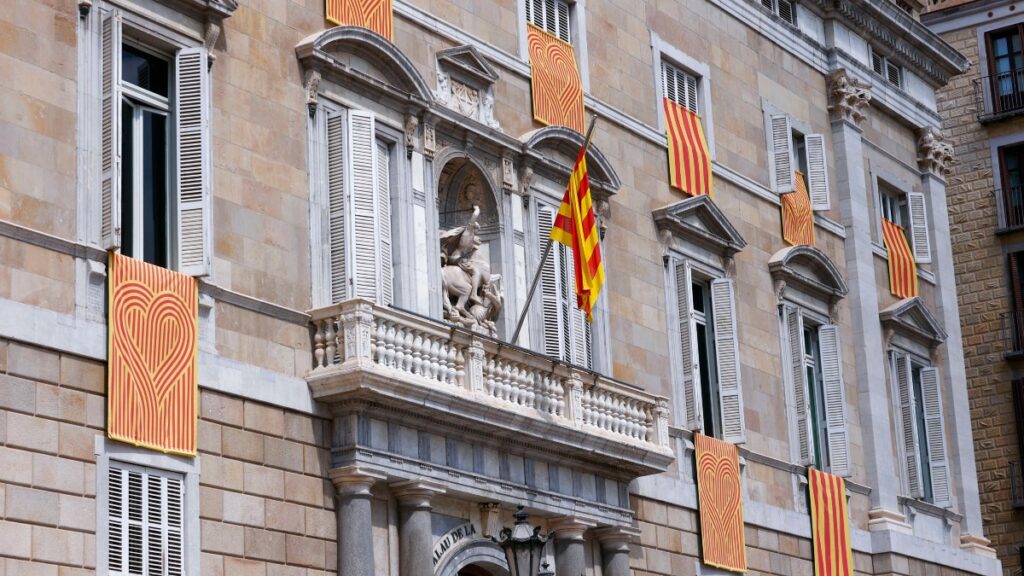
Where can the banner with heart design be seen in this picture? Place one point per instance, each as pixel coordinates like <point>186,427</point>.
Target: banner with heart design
<point>152,380</point>
<point>555,83</point>
<point>720,504</point>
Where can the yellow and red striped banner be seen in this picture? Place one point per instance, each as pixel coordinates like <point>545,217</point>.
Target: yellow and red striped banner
<point>902,266</point>
<point>720,503</point>
<point>797,214</point>
<point>152,382</point>
<point>830,525</point>
<point>376,15</point>
<point>576,227</point>
<point>555,81</point>
<point>689,162</point>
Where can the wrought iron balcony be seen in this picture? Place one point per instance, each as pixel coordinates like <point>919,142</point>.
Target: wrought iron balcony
<point>1010,208</point>
<point>1016,486</point>
<point>393,357</point>
<point>999,96</point>
<point>1012,328</point>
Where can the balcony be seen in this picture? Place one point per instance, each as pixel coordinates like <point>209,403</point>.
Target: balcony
<point>405,361</point>
<point>999,96</point>
<point>1016,486</point>
<point>1009,208</point>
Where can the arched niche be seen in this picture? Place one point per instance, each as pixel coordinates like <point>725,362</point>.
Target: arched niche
<point>474,558</point>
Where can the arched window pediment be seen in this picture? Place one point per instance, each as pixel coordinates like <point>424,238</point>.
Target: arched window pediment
<point>324,51</point>
<point>700,221</point>
<point>911,319</point>
<point>553,149</point>
<point>808,270</point>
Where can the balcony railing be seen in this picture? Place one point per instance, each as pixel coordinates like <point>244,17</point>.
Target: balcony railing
<point>1010,207</point>
<point>1016,486</point>
<point>1012,330</point>
<point>999,96</point>
<point>436,361</point>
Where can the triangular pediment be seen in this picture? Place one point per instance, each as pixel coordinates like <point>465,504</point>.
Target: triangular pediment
<point>911,318</point>
<point>467,63</point>
<point>699,220</point>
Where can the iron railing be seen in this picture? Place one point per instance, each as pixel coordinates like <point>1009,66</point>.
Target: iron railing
<point>1016,486</point>
<point>1000,95</point>
<point>1012,328</point>
<point>1010,207</point>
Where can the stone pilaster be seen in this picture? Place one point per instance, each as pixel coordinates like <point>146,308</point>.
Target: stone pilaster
<point>569,552</point>
<point>615,549</point>
<point>355,520</point>
<point>414,535</point>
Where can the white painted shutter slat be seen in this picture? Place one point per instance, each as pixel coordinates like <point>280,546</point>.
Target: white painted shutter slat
<point>175,513</point>
<point>835,399</point>
<point>919,227</point>
<point>723,303</point>
<point>687,348</point>
<point>384,223</point>
<point>935,431</point>
<point>116,512</point>
<point>907,405</point>
<point>782,153</point>
<point>136,544</point>
<point>567,311</point>
<point>550,294</point>
<point>690,81</point>
<point>192,88</point>
<point>562,7</point>
<point>336,205</point>
<point>801,402</point>
<point>110,114</point>
<point>155,528</point>
<point>361,160</point>
<point>817,172</point>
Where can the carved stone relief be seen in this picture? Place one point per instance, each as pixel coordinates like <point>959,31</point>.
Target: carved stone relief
<point>848,96</point>
<point>472,297</point>
<point>465,84</point>
<point>934,154</point>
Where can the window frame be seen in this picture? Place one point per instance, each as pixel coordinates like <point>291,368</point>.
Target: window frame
<point>917,362</point>
<point>577,36</point>
<point>885,68</point>
<point>665,52</point>
<point>888,189</point>
<point>816,397</point>
<point>776,9</point>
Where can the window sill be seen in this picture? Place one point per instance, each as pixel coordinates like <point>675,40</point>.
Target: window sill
<point>882,253</point>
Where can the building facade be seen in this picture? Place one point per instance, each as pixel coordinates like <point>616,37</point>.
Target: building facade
<point>982,115</point>
<point>325,182</point>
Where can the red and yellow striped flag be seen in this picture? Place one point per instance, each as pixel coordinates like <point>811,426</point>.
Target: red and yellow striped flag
<point>376,15</point>
<point>830,525</point>
<point>902,266</point>
<point>689,162</point>
<point>576,227</point>
<point>720,499</point>
<point>797,214</point>
<point>554,80</point>
<point>152,380</point>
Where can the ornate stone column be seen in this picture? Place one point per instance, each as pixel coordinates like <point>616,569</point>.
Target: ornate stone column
<point>415,538</point>
<point>355,521</point>
<point>569,554</point>
<point>615,549</point>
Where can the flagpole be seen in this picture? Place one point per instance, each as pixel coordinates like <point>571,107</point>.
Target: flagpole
<point>547,251</point>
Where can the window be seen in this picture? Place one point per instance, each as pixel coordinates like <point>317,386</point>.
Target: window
<point>1015,261</point>
<point>922,430</point>
<point>1011,166</point>
<point>785,9</point>
<point>708,353</point>
<point>679,86</point>
<point>567,334</point>
<point>145,511</point>
<point>1006,68</point>
<point>892,73</point>
<point>906,209</point>
<point>792,150</point>
<point>817,396</point>
<point>550,15</point>
<point>155,152</point>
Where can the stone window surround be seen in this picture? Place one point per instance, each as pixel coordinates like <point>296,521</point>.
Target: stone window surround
<point>663,51</point>
<point>769,109</point>
<point>577,31</point>
<point>903,186</point>
<point>994,144</point>
<point>983,29</point>
<point>106,451</point>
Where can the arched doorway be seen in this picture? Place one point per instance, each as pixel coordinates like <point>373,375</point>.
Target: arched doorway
<point>478,557</point>
<point>474,570</point>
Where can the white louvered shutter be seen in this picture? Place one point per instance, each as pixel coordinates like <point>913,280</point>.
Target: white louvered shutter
<point>835,399</point>
<point>384,222</point>
<point>551,300</point>
<point>192,89</point>
<point>801,402</point>
<point>723,303</point>
<point>919,227</point>
<point>907,405</point>
<point>817,172</point>
<point>782,153</point>
<point>336,205</point>
<point>688,348</point>
<point>562,9</point>
<point>361,164</point>
<point>935,431</point>
<point>144,523</point>
<point>110,155</point>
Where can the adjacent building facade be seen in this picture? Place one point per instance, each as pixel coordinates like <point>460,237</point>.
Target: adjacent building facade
<point>981,111</point>
<point>354,417</point>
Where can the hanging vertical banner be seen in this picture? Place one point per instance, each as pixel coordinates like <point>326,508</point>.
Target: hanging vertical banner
<point>554,81</point>
<point>797,214</point>
<point>830,524</point>
<point>376,15</point>
<point>720,503</point>
<point>152,380</point>
<point>902,266</point>
<point>689,163</point>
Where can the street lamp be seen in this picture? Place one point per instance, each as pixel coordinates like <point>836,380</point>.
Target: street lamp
<point>523,546</point>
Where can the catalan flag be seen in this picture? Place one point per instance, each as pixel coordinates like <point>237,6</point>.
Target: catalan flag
<point>376,15</point>
<point>830,525</point>
<point>576,227</point>
<point>555,83</point>
<point>902,266</point>
<point>797,214</point>
<point>152,381</point>
<point>689,162</point>
<point>720,496</point>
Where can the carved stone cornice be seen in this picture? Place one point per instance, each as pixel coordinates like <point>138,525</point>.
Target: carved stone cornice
<point>911,319</point>
<point>934,154</point>
<point>847,96</point>
<point>700,221</point>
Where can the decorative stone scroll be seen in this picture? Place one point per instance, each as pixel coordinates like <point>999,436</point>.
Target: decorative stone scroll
<point>934,154</point>
<point>848,96</point>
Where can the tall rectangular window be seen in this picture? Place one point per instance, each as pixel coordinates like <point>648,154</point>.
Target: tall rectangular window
<point>816,396</point>
<point>704,338</point>
<point>550,15</point>
<point>1011,167</point>
<point>1015,260</point>
<point>145,528</point>
<point>918,400</point>
<point>568,335</point>
<point>1006,68</point>
<point>908,210</point>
